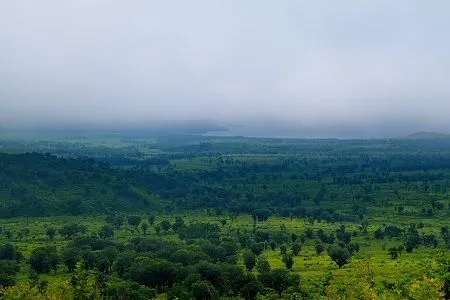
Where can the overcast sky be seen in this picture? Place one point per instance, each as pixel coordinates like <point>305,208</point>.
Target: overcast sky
<point>323,64</point>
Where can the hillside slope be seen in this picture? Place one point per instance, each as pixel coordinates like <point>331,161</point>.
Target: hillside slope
<point>37,184</point>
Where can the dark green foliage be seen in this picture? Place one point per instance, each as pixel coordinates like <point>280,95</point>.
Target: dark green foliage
<point>144,227</point>
<point>70,257</point>
<point>8,271</point>
<point>178,224</point>
<point>51,233</point>
<point>257,248</point>
<point>44,259</point>
<point>23,233</point>
<point>319,247</point>
<point>215,252</point>
<point>379,233</point>
<point>309,233</point>
<point>151,219</point>
<point>394,252</point>
<point>393,231</point>
<point>249,260</point>
<point>70,230</point>
<point>107,231</point>
<point>134,221</point>
<point>190,256</point>
<point>339,255</point>
<point>445,233</point>
<point>157,273</point>
<point>127,290</point>
<point>412,238</point>
<point>296,248</point>
<point>261,214</point>
<point>329,239</point>
<point>115,220</point>
<point>352,248</point>
<point>251,290</point>
<point>165,225</point>
<point>9,252</point>
<point>200,230</point>
<point>123,263</point>
<point>430,240</point>
<point>273,245</point>
<point>279,280</point>
<point>342,235</point>
<point>262,265</point>
<point>288,260</point>
<point>204,290</point>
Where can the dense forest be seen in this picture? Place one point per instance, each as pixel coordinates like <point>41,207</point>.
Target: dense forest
<point>193,217</point>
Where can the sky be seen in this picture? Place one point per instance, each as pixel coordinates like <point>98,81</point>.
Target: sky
<point>323,68</point>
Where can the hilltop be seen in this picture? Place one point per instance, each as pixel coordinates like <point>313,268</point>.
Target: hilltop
<point>426,135</point>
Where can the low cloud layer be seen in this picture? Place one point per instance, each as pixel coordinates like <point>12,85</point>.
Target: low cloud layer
<point>376,66</point>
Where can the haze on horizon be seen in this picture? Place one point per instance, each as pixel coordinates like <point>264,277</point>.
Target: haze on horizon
<point>318,68</point>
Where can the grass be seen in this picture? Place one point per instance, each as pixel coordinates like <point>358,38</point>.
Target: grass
<point>310,266</point>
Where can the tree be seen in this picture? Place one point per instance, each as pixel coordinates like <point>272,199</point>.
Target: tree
<point>251,289</point>
<point>296,248</point>
<point>9,252</point>
<point>283,249</point>
<point>107,231</point>
<point>412,238</point>
<point>429,240</point>
<point>378,234</point>
<point>70,257</point>
<point>134,221</point>
<point>204,290</point>
<point>352,248</point>
<point>393,252</point>
<point>279,280</point>
<point>165,225</point>
<point>342,235</point>
<point>115,220</point>
<point>249,260</point>
<point>273,245</point>
<point>158,229</point>
<point>8,271</point>
<point>74,206</point>
<point>123,263</point>
<point>70,230</point>
<point>158,273</point>
<point>151,219</point>
<point>294,237</point>
<point>262,265</point>
<point>121,289</point>
<point>257,248</point>
<point>144,227</point>
<point>339,255</point>
<point>288,260</point>
<point>43,259</point>
<point>23,232</point>
<point>319,247</point>
<point>83,288</point>
<point>179,224</point>
<point>51,233</point>
<point>261,214</point>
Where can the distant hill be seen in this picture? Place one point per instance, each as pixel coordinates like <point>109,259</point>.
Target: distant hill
<point>424,135</point>
<point>33,184</point>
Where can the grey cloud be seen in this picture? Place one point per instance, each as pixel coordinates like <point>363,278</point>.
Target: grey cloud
<point>318,64</point>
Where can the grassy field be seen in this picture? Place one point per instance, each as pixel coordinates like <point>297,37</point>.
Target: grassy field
<point>310,266</point>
